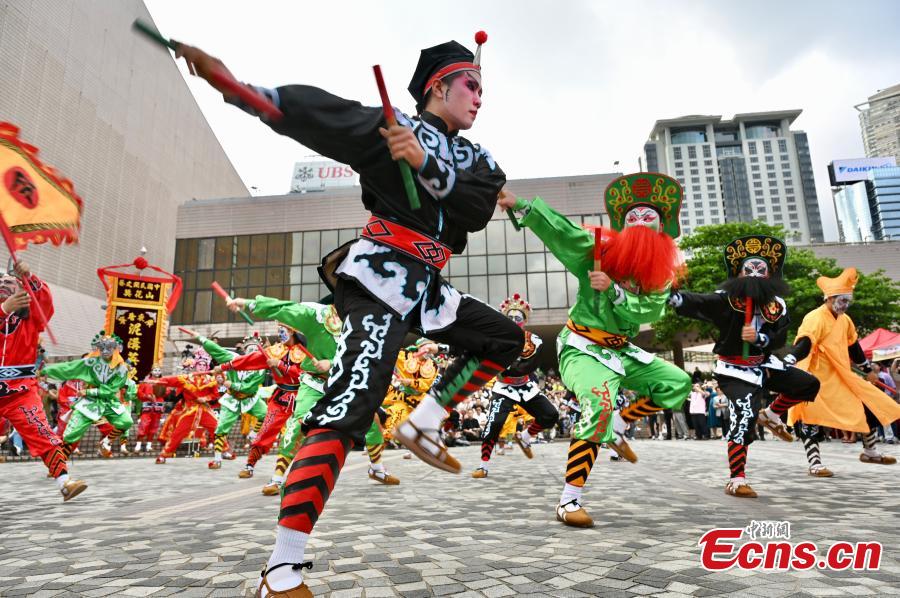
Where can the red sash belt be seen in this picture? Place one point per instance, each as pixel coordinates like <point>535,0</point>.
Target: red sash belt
<point>752,361</point>
<point>514,380</point>
<point>416,245</point>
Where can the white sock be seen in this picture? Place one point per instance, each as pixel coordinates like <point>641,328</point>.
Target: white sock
<point>217,456</point>
<point>526,437</point>
<point>570,493</point>
<point>871,452</point>
<point>277,479</point>
<point>484,465</point>
<point>429,414</point>
<point>61,480</point>
<point>290,546</point>
<point>105,442</point>
<point>379,467</point>
<point>137,447</point>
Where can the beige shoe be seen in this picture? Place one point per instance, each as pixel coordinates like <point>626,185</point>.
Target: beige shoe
<point>246,473</point>
<point>880,459</point>
<point>418,441</point>
<point>573,515</point>
<point>105,451</point>
<point>739,489</point>
<point>72,488</point>
<point>821,472</point>
<point>526,447</point>
<point>265,591</point>
<point>272,489</point>
<point>623,449</point>
<point>383,477</point>
<point>774,424</point>
<point>479,473</point>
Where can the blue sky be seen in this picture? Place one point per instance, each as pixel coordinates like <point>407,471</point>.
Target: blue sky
<point>570,87</point>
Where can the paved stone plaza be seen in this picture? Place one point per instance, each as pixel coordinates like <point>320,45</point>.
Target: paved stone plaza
<point>179,529</point>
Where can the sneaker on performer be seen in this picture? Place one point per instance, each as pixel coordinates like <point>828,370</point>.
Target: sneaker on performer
<point>481,472</point>
<point>246,472</point>
<point>620,446</point>
<point>820,471</point>
<point>283,581</point>
<point>70,488</point>
<point>524,444</point>
<point>214,464</point>
<point>740,488</point>
<point>273,488</point>
<point>573,514</point>
<point>770,420</point>
<point>873,456</point>
<point>383,477</point>
<point>420,433</point>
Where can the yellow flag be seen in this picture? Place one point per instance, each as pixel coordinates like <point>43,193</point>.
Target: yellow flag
<point>37,202</point>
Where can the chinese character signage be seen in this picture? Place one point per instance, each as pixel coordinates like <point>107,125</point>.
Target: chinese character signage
<point>138,310</point>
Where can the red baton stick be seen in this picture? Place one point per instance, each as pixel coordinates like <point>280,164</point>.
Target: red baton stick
<point>224,295</point>
<point>405,171</point>
<point>748,317</point>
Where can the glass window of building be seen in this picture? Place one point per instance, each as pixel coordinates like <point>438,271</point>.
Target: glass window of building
<point>709,171</point>
<point>712,195</point>
<point>710,179</point>
<point>711,187</point>
<point>757,175</point>
<point>311,250</point>
<point>695,180</point>
<point>688,135</point>
<point>707,153</point>
<point>770,158</point>
<point>770,167</point>
<point>773,175</point>
<point>257,250</point>
<point>751,146</point>
<point>707,163</point>
<point>754,167</point>
<point>762,131</point>
<point>784,158</point>
<point>767,147</point>
<point>692,152</point>
<point>782,145</point>
<point>676,153</point>
<point>692,164</point>
<point>206,254</point>
<point>679,173</point>
<point>757,184</point>
<point>695,171</point>
<point>789,190</point>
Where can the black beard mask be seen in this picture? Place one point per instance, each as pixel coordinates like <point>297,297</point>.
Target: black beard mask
<point>761,290</point>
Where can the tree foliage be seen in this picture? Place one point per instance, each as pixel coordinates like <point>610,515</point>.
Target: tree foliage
<point>876,299</point>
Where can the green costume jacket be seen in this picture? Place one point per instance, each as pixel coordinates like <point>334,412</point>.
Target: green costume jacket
<point>104,383</point>
<point>615,311</point>
<point>243,393</point>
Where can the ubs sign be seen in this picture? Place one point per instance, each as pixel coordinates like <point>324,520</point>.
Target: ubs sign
<point>321,175</point>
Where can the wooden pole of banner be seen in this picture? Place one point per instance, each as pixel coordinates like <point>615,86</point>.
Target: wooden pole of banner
<point>38,310</point>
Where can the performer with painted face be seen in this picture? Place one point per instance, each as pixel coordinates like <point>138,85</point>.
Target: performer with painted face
<point>414,374</point>
<point>517,385</point>
<point>754,265</point>
<point>152,397</point>
<point>19,400</point>
<point>198,391</point>
<point>241,392</point>
<point>826,346</point>
<point>316,326</point>
<point>388,282</point>
<point>623,282</point>
<point>105,374</point>
<point>299,379</point>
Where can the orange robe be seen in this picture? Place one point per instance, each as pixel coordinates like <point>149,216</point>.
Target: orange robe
<point>843,393</point>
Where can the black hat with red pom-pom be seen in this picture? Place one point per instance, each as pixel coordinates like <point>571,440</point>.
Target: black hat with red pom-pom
<point>441,61</point>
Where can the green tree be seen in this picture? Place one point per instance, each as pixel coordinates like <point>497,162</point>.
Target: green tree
<point>876,299</point>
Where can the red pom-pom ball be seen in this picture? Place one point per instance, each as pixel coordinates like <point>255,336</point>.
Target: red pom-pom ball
<point>480,37</point>
<point>140,263</point>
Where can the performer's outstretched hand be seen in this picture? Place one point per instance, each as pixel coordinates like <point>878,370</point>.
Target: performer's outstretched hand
<point>506,199</point>
<point>322,365</point>
<point>203,65</point>
<point>403,145</point>
<point>599,281</point>
<point>236,304</point>
<point>15,302</point>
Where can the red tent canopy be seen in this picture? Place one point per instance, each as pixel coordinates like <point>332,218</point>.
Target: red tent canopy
<point>879,339</point>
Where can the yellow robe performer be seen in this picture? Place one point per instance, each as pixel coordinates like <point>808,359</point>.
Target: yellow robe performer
<point>844,397</point>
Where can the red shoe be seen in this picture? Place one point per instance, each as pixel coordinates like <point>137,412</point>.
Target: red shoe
<point>160,460</point>
<point>229,456</point>
<point>214,465</point>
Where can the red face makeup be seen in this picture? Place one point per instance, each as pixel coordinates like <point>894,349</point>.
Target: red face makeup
<point>463,100</point>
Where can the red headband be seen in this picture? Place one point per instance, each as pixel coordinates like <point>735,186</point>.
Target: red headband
<point>449,70</point>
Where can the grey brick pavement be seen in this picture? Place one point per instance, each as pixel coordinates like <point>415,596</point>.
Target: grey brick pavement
<point>182,530</point>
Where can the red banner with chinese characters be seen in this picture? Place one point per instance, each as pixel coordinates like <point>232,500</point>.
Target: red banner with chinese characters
<point>138,308</point>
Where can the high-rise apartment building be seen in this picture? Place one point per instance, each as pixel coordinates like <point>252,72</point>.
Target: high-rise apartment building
<point>747,168</point>
<point>879,119</point>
